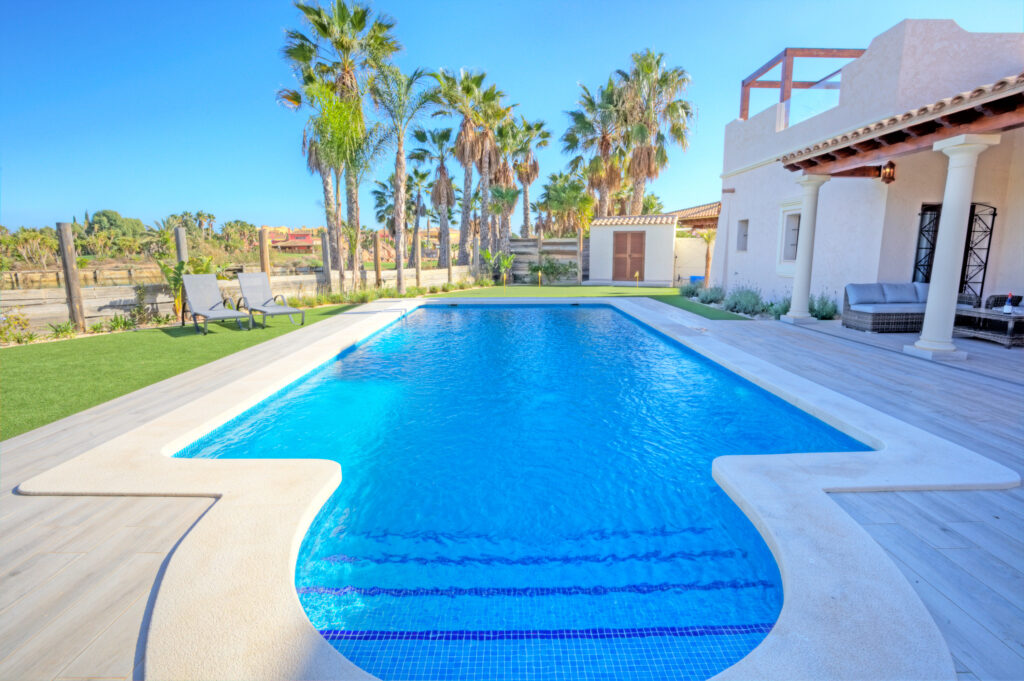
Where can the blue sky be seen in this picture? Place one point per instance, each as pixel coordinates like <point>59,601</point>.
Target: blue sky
<point>153,108</point>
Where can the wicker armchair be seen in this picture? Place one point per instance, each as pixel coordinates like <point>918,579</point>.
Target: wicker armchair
<point>998,301</point>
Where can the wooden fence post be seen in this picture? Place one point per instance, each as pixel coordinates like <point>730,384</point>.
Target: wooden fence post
<point>265,250</point>
<point>325,250</point>
<point>72,285</point>
<point>181,244</point>
<point>376,259</point>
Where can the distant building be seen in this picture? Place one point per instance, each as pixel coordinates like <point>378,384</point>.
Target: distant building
<point>699,218</point>
<point>288,240</point>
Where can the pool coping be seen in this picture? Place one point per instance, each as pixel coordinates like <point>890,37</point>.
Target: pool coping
<point>227,608</point>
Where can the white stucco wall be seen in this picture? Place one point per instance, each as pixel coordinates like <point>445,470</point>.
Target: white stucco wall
<point>690,253</point>
<point>658,253</point>
<point>867,231</point>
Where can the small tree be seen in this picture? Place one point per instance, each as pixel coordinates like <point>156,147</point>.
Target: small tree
<point>708,235</point>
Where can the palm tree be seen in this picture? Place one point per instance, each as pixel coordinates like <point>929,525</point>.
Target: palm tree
<point>492,115</point>
<point>652,205</point>
<point>347,41</point>
<point>363,155</point>
<point>532,136</point>
<point>437,148</point>
<point>596,128</point>
<point>651,109</point>
<point>400,99</point>
<point>464,95</point>
<point>708,235</point>
<point>567,198</point>
<point>504,200</point>
<point>418,181</point>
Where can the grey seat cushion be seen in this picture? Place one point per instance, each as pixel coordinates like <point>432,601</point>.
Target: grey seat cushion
<point>922,291</point>
<point>860,294</point>
<point>889,308</point>
<point>900,293</point>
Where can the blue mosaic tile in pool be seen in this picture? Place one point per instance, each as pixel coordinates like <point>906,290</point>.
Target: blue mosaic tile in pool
<point>526,494</point>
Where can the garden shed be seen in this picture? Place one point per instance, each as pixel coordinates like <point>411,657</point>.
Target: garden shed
<point>627,249</point>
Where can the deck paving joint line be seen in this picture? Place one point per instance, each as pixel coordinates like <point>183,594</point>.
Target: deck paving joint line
<point>784,495</point>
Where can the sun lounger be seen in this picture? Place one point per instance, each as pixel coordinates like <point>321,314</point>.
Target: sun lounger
<point>257,297</point>
<point>203,297</point>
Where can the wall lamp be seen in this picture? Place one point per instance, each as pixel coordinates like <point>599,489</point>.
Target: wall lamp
<point>888,173</point>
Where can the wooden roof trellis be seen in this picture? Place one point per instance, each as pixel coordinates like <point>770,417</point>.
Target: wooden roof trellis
<point>995,107</point>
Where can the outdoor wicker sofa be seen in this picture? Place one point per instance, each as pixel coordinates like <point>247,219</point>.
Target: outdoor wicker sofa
<point>885,308</point>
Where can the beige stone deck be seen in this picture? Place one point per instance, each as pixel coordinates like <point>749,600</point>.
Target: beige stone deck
<point>78,574</point>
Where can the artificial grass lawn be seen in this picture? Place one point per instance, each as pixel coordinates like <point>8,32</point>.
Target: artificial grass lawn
<point>665,295</point>
<point>47,381</point>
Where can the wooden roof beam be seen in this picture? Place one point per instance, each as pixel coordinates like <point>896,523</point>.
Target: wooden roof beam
<point>869,156</point>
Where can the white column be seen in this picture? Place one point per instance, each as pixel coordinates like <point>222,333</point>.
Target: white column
<point>799,306</point>
<point>936,340</point>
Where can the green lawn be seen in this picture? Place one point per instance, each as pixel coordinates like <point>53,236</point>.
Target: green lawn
<point>665,295</point>
<point>44,382</point>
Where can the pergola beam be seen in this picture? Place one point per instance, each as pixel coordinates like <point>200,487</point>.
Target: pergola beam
<point>868,155</point>
<point>786,85</point>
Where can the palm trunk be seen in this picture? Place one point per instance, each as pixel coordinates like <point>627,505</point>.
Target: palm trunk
<point>465,225</point>
<point>444,249</point>
<point>636,205</point>
<point>506,228</point>
<point>415,232</point>
<point>602,202</point>
<point>352,206</point>
<point>579,256</point>
<point>527,232</point>
<point>494,234</point>
<point>707,265</point>
<point>327,179</point>
<point>485,196</point>
<point>399,218</point>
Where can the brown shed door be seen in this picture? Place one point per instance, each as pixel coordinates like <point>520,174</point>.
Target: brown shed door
<point>628,255</point>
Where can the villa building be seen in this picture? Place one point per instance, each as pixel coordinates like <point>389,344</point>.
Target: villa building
<point>917,175</point>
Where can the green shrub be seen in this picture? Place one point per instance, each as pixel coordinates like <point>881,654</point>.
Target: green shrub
<point>552,270</point>
<point>690,290</point>
<point>745,301</point>
<point>121,323</point>
<point>98,327</point>
<point>13,323</point>
<point>778,308</point>
<point>823,307</point>
<point>63,330</point>
<point>715,294</point>
<point>140,313</point>
<point>26,337</point>
<point>463,284</point>
<point>434,289</point>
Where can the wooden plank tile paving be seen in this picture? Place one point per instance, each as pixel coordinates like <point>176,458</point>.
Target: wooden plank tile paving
<point>76,573</point>
<point>963,551</point>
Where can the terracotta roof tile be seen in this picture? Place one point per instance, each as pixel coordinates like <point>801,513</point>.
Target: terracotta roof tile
<point>704,210</point>
<point>943,107</point>
<point>611,220</point>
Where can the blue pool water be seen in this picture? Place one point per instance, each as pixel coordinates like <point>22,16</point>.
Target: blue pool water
<point>527,494</point>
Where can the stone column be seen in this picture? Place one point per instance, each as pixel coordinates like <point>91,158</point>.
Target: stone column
<point>799,312</point>
<point>936,341</point>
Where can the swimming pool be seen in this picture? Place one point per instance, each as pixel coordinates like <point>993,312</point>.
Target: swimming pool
<point>527,494</point>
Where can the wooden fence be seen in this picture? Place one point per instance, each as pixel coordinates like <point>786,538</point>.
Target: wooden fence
<point>561,250</point>
<point>43,306</point>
